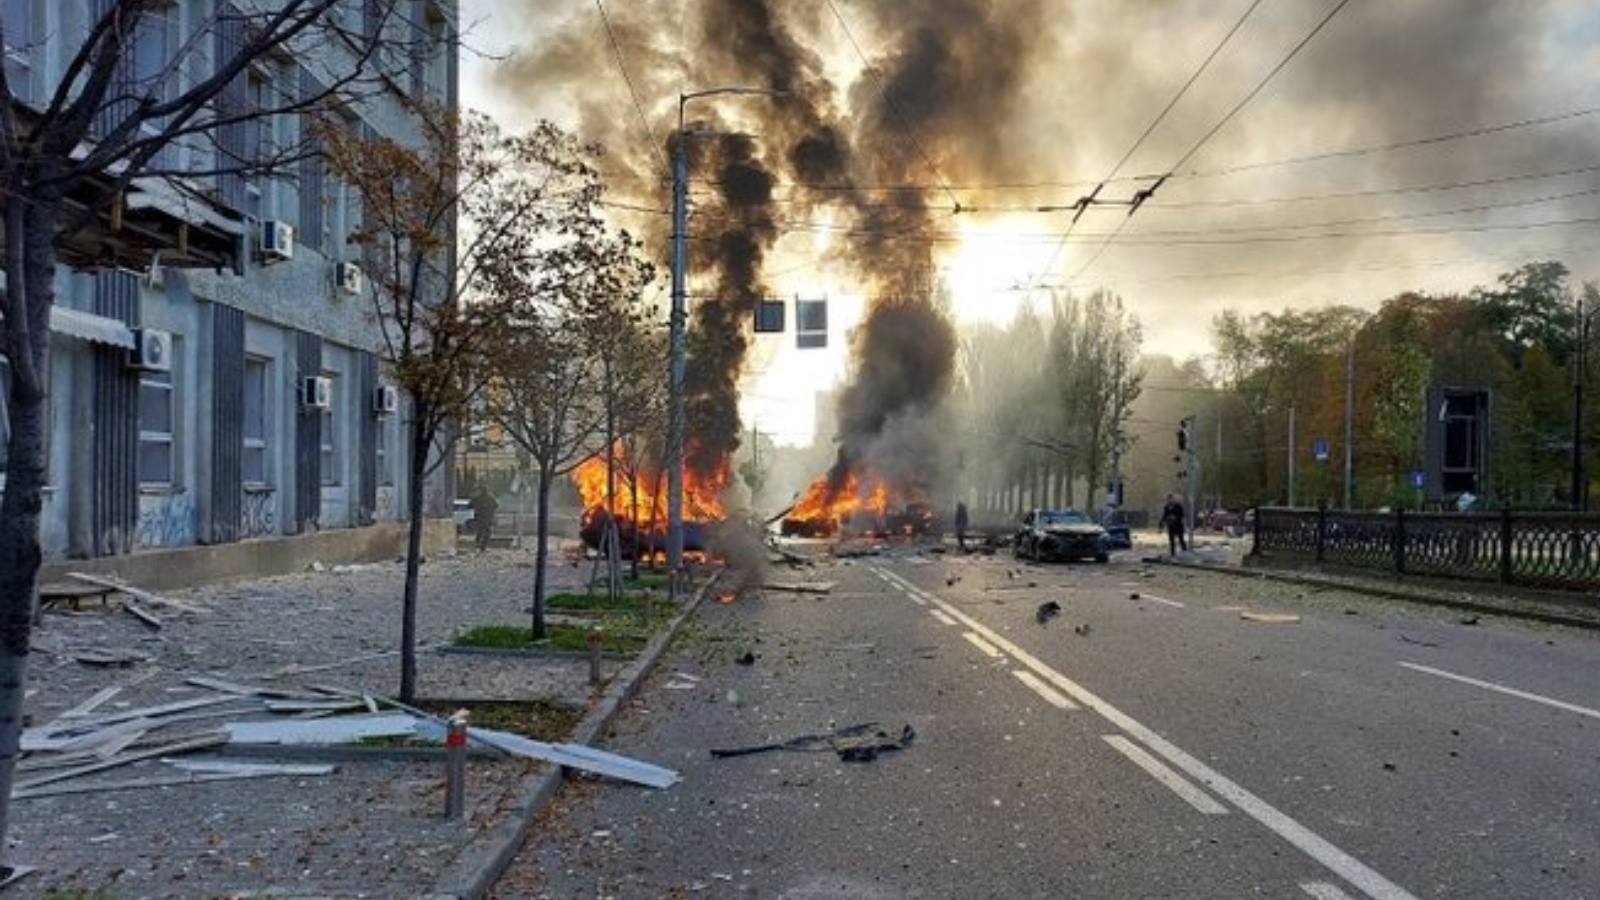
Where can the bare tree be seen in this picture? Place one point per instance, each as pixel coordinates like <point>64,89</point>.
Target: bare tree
<point>572,375</point>
<point>70,159</point>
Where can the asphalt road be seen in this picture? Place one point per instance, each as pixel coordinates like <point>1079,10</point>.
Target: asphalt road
<point>1170,733</point>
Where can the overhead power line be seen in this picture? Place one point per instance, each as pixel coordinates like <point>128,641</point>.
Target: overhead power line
<point>638,108</point>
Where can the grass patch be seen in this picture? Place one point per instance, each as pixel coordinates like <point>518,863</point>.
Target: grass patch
<point>529,718</point>
<point>597,602</point>
<point>627,639</point>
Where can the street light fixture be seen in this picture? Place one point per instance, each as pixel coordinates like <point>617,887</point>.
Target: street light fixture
<point>678,330</point>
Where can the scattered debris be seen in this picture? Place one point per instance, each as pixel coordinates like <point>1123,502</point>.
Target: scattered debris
<point>142,614</point>
<point>748,659</point>
<point>1420,643</point>
<point>802,587</point>
<point>339,730</point>
<point>1133,595</point>
<point>952,581</point>
<point>579,756</point>
<point>1081,629</point>
<point>141,595</point>
<point>111,658</point>
<point>854,743</point>
<point>1469,620</point>
<point>1047,611</point>
<point>1270,618</point>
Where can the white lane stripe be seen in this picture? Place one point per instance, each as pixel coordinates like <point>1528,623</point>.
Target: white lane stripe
<point>1051,695</point>
<point>1321,890</point>
<point>1341,863</point>
<point>982,644</point>
<point>1510,691</point>
<point>1191,795</point>
<point>939,614</point>
<point>1154,599</point>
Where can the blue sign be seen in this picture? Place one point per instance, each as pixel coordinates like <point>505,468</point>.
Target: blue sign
<point>1319,449</point>
<point>1416,479</point>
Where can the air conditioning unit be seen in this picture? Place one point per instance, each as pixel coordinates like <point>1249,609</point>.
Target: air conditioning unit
<point>385,399</point>
<point>277,240</point>
<point>349,277</point>
<point>317,392</point>
<point>152,350</point>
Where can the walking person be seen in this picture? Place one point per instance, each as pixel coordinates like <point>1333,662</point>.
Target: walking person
<point>961,526</point>
<point>484,509</point>
<point>1172,517</point>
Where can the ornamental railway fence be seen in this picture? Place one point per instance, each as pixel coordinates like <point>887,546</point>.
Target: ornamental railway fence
<point>1550,550</point>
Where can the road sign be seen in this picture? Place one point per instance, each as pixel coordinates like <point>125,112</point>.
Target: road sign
<point>1319,449</point>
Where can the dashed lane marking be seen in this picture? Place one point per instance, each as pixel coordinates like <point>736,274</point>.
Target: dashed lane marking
<point>939,614</point>
<point>1503,689</point>
<point>1351,870</point>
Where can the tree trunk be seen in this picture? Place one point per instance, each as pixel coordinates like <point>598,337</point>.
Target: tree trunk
<point>30,285</point>
<point>418,465</point>
<point>541,550</point>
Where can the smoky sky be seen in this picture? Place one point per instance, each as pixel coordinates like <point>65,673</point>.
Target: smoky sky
<point>913,116</point>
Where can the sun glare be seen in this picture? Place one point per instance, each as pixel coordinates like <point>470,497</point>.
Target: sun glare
<point>996,266</point>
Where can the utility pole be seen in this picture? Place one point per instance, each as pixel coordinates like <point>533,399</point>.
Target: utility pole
<point>1291,455</point>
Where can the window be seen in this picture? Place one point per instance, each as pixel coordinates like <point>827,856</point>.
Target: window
<point>256,404</point>
<point>330,458</point>
<point>16,20</point>
<point>156,446</point>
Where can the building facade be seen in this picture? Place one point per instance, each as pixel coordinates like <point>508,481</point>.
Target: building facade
<point>196,405</point>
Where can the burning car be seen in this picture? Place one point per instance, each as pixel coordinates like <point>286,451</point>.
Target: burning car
<point>1060,534</point>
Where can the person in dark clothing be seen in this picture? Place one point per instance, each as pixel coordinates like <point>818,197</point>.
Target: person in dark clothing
<point>484,509</point>
<point>1172,517</point>
<point>961,526</point>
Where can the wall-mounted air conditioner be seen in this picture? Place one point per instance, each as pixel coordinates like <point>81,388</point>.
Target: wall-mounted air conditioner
<point>317,392</point>
<point>385,399</point>
<point>277,240</point>
<point>152,350</point>
<point>349,277</point>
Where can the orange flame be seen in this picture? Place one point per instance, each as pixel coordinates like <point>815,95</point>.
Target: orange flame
<point>824,509</point>
<point>702,497</point>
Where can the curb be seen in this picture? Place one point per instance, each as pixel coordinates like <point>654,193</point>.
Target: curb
<point>1529,609</point>
<point>479,866</point>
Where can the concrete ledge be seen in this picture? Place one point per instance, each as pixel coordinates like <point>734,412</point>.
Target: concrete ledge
<point>183,567</point>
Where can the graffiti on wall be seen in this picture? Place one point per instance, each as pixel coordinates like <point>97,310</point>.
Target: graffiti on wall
<point>260,513</point>
<point>165,520</point>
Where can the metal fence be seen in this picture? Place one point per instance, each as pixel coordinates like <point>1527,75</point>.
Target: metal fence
<point>1531,549</point>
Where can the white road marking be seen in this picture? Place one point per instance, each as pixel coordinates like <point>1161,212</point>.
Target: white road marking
<point>1347,867</point>
<point>1321,890</point>
<point>1510,691</point>
<point>1191,795</point>
<point>982,644</point>
<point>939,614</point>
<point>1051,695</point>
<point>1154,599</point>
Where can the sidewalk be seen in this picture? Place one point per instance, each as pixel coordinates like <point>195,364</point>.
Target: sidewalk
<point>373,827</point>
<point>1219,553</point>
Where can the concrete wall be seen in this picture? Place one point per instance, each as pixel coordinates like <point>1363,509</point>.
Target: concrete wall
<point>184,567</point>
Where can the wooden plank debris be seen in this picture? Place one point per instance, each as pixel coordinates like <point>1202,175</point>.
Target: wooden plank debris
<point>341,730</point>
<point>136,593</point>
<point>142,614</point>
<point>110,658</point>
<point>185,745</point>
<point>94,702</point>
<point>1270,618</point>
<point>802,587</point>
<point>579,756</point>
<point>237,767</point>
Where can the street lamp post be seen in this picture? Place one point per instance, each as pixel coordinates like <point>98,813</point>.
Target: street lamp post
<point>1580,484</point>
<point>677,329</point>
